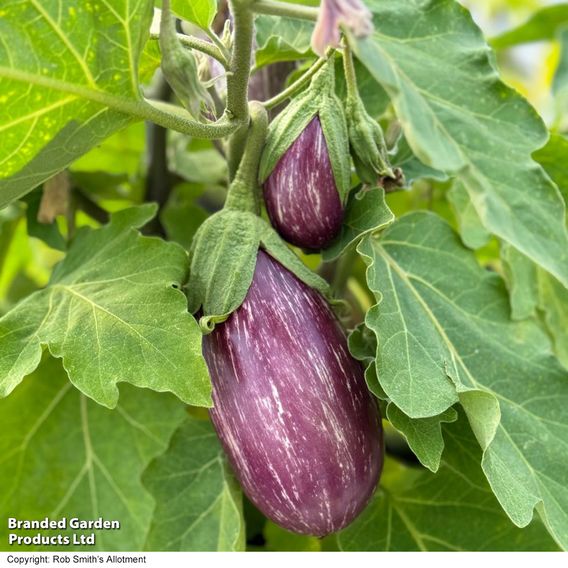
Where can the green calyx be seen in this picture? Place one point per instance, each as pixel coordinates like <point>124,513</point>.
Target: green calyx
<point>244,191</point>
<point>366,139</point>
<point>223,260</point>
<point>319,99</point>
<point>368,147</point>
<point>224,250</point>
<point>179,66</point>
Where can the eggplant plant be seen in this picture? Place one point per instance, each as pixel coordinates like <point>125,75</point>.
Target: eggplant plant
<point>280,276</point>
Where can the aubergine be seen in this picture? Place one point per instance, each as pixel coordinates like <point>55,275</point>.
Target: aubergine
<point>301,196</point>
<point>302,431</point>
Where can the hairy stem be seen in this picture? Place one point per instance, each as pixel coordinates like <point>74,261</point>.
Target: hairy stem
<point>243,192</point>
<point>240,62</point>
<point>275,8</point>
<point>220,45</point>
<point>164,114</point>
<point>199,45</point>
<point>349,70</point>
<point>296,85</point>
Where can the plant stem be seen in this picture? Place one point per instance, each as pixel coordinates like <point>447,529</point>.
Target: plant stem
<point>296,85</point>
<point>238,77</point>
<point>349,70</point>
<point>235,149</point>
<point>243,192</point>
<point>91,208</point>
<point>164,114</point>
<point>240,62</point>
<point>275,8</point>
<point>220,45</point>
<point>158,178</point>
<point>199,45</point>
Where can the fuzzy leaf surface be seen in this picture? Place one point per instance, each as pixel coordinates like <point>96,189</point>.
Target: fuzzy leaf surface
<point>89,458</point>
<point>49,70</point>
<point>281,39</point>
<point>423,435</point>
<point>453,510</point>
<point>200,12</point>
<point>445,335</point>
<point>198,501</point>
<point>460,118</point>
<point>112,314</point>
<point>366,212</point>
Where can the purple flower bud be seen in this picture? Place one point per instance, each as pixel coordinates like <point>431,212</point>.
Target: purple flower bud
<point>352,14</point>
<point>301,195</point>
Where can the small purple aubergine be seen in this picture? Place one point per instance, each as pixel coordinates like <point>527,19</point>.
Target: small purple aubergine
<point>301,195</point>
<point>291,407</point>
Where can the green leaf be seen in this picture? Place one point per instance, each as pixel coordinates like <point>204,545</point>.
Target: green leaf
<point>282,39</point>
<point>552,157</point>
<point>121,153</point>
<point>47,232</point>
<point>532,289</point>
<point>279,539</point>
<point>411,166</point>
<point>459,118</point>
<point>223,257</point>
<point>223,260</point>
<point>203,164</point>
<point>65,456</point>
<point>182,216</point>
<point>198,501</point>
<point>112,314</point>
<point>366,212</point>
<point>542,25</point>
<point>473,233</point>
<point>200,12</point>
<point>445,335</point>
<point>453,510</point>
<point>49,72</point>
<point>423,435</point>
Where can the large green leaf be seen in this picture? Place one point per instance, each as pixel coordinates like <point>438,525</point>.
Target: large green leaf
<point>423,435</point>
<point>459,118</point>
<point>453,510</point>
<point>365,212</point>
<point>445,335</point>
<point>282,39</point>
<point>472,231</point>
<point>50,72</point>
<point>198,501</point>
<point>552,157</point>
<point>65,456</point>
<point>533,291</point>
<point>200,12</point>
<point>542,25</point>
<point>112,313</point>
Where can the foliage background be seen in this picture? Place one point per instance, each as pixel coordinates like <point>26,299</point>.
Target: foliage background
<point>132,463</point>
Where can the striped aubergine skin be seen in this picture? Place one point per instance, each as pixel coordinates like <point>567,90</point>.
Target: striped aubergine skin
<point>291,406</point>
<point>300,194</point>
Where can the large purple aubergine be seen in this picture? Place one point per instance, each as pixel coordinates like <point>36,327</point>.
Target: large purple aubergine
<point>291,406</point>
<point>301,195</point>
